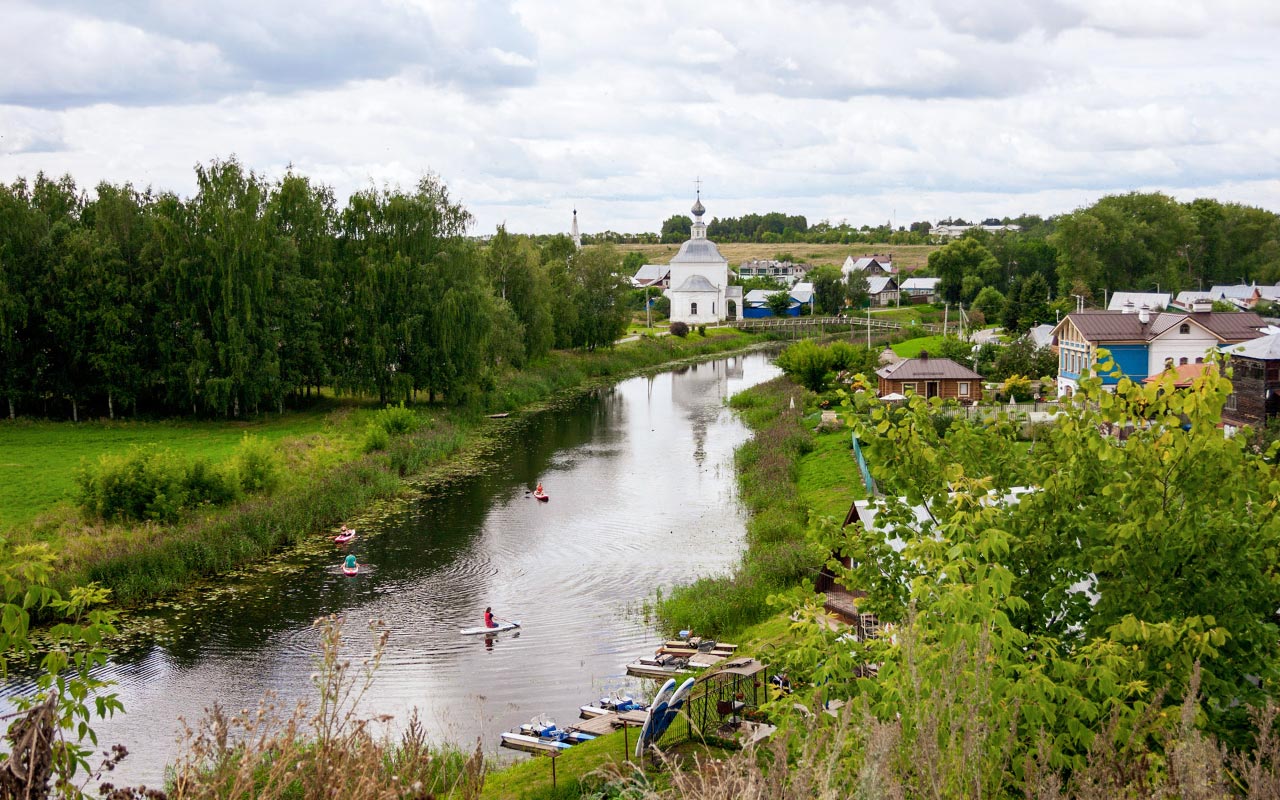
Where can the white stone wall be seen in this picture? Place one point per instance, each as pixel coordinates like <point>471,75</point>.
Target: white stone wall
<point>681,301</point>
<point>1177,346</point>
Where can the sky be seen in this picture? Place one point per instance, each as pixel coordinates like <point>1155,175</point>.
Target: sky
<point>866,112</point>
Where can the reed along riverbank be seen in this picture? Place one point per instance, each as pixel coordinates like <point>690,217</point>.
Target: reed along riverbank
<point>326,477</point>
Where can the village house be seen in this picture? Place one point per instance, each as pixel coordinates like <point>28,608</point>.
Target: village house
<point>1141,344</point>
<point>882,290</point>
<point>1255,378</point>
<point>931,377</point>
<point>870,266</point>
<point>784,272</point>
<point>920,290</point>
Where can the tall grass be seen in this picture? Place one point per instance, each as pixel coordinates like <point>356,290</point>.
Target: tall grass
<point>778,555</point>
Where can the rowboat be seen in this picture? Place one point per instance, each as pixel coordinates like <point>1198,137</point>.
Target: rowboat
<point>541,735</point>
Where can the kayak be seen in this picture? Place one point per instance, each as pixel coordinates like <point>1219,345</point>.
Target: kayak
<point>542,497</point>
<point>343,538</point>
<point>505,626</point>
<point>350,570</point>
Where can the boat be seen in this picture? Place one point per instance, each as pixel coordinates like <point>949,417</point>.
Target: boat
<point>611,704</point>
<point>541,735</point>
<point>350,571</point>
<point>541,496</point>
<point>656,711</point>
<point>504,626</point>
<point>343,538</point>
<point>503,415</point>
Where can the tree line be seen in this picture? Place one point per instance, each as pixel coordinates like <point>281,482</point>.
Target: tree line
<point>1141,242</point>
<point>250,295</point>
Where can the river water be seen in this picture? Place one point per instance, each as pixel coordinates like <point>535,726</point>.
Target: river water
<point>643,496</point>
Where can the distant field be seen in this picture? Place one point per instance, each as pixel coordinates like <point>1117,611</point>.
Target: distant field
<point>905,257</point>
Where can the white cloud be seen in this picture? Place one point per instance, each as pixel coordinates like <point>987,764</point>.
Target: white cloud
<point>854,110</point>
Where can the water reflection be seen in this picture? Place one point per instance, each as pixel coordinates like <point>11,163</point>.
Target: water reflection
<point>642,496</point>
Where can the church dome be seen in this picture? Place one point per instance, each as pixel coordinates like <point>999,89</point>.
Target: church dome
<point>698,209</point>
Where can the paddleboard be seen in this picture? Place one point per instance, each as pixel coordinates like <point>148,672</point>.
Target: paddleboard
<point>657,709</point>
<point>344,538</point>
<point>349,571</point>
<point>542,498</point>
<point>673,709</point>
<point>505,626</point>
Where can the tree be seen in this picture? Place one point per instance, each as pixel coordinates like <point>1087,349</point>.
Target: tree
<point>989,302</point>
<point>1033,303</point>
<point>857,290</point>
<point>828,290</point>
<point>599,293</point>
<point>676,229</point>
<point>963,257</point>
<point>807,363</point>
<point>779,303</point>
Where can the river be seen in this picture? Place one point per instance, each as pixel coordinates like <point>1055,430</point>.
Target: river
<point>643,496</point>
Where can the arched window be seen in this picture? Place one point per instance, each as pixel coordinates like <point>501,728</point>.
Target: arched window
<point>1182,362</point>
<point>1184,328</point>
<point>693,309</point>
<point>713,308</point>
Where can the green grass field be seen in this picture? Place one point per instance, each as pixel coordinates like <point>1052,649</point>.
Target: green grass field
<point>911,348</point>
<point>828,477</point>
<point>40,459</point>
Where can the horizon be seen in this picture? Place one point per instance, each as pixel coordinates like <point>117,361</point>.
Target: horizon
<point>874,114</point>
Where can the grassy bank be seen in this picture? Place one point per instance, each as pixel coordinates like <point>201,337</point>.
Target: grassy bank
<point>327,477</point>
<point>777,555</point>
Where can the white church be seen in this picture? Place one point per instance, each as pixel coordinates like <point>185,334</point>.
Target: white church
<point>699,288</point>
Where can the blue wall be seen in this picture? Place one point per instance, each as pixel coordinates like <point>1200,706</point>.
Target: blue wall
<point>751,312</point>
<point>1131,359</point>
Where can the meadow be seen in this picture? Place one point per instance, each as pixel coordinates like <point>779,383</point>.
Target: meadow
<point>906,257</point>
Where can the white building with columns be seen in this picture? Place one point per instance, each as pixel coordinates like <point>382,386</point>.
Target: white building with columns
<point>700,293</point>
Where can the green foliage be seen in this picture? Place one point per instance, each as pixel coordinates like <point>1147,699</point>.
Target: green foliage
<point>676,228</point>
<point>150,484</point>
<point>1017,387</point>
<point>376,438</point>
<point>1059,622</point>
<point>69,655</point>
<point>778,303</point>
<point>257,465</point>
<point>963,258</point>
<point>989,303</point>
<point>397,420</point>
<point>808,364</point>
<point>702,330</point>
<point>828,290</point>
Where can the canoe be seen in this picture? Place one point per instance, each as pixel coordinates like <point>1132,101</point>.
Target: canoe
<point>343,538</point>
<point>349,571</point>
<point>505,626</point>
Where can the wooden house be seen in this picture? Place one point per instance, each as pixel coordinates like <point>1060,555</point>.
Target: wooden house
<point>931,377</point>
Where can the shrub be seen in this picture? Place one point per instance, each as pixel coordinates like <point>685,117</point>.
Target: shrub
<point>376,438</point>
<point>208,485</point>
<point>257,466</point>
<point>126,487</point>
<point>396,420</point>
<point>680,329</point>
<point>702,330</point>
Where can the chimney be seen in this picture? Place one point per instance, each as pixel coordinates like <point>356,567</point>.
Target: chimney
<point>1144,315</point>
<point>1127,308</point>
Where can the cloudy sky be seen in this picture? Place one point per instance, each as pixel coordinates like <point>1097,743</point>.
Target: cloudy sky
<point>858,111</point>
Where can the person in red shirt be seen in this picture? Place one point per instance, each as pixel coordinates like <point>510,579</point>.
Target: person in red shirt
<point>488,618</point>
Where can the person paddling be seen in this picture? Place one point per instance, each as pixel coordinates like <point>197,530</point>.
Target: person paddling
<point>538,490</point>
<point>489,622</point>
<point>350,563</point>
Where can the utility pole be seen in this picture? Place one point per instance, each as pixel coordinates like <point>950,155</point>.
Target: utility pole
<point>868,326</point>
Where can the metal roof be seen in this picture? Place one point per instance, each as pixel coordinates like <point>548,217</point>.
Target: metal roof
<point>932,369</point>
<point>699,251</point>
<point>1156,301</point>
<point>929,284</point>
<point>696,283</point>
<point>1117,326</point>
<point>1266,348</point>
<point>879,283</point>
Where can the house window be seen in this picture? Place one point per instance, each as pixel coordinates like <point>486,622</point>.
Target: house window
<point>962,388</point>
<point>693,309</point>
<point>1200,360</point>
<point>1184,329</point>
<point>1182,362</point>
<point>908,387</point>
<point>1231,402</point>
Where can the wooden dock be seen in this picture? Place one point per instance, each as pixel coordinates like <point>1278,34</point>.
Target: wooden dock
<point>608,723</point>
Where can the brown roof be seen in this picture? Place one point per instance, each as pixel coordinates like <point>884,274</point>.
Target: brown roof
<point>931,369</point>
<point>1117,326</point>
